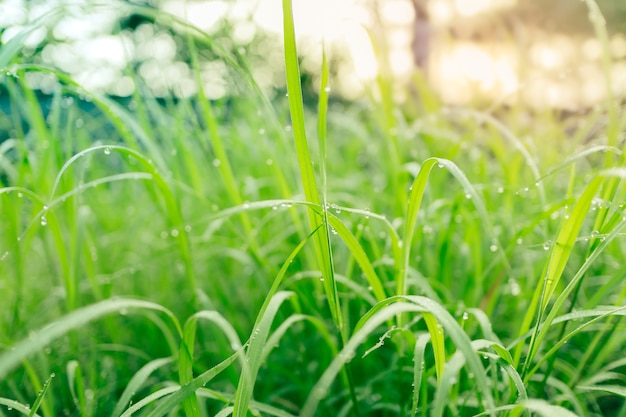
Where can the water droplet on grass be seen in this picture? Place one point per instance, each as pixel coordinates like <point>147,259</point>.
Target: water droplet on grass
<point>327,89</point>
<point>44,221</point>
<point>500,190</point>
<point>468,196</point>
<point>107,151</point>
<point>547,245</point>
<point>493,248</point>
<point>217,162</point>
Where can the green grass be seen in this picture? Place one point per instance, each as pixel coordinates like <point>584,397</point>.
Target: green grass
<point>250,256</point>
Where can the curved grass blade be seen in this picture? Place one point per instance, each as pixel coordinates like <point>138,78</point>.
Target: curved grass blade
<point>149,400</point>
<point>180,393</point>
<point>74,320</point>
<point>384,311</point>
<point>185,357</point>
<point>136,382</point>
<point>611,389</point>
<point>254,354</point>
<point>359,254</point>
<point>16,405</point>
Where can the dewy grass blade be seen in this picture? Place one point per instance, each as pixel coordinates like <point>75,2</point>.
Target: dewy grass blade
<point>179,394</point>
<point>418,370</point>
<point>384,311</point>
<point>15,405</point>
<point>136,382</point>
<point>186,352</point>
<point>311,192</point>
<point>78,318</point>
<point>40,396</point>
<point>556,264</point>
<point>566,239</point>
<point>254,353</point>
<point>359,254</point>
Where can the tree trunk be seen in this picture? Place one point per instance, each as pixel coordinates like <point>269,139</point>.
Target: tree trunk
<point>421,35</point>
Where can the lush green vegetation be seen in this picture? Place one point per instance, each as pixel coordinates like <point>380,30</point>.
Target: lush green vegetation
<point>244,257</point>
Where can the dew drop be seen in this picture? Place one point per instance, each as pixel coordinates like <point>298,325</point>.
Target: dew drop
<point>493,248</point>
<point>217,162</point>
<point>327,89</point>
<point>515,288</point>
<point>107,151</point>
<point>468,196</point>
<point>44,221</point>
<point>546,245</point>
<point>500,190</point>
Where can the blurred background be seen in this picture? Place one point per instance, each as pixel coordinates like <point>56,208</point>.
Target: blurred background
<point>541,53</point>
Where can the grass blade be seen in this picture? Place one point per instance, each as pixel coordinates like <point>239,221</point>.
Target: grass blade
<point>311,192</point>
<point>74,320</point>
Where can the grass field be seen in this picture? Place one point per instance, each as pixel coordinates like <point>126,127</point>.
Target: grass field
<point>248,257</point>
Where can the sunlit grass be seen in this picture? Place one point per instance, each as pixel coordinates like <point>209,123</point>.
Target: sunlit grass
<point>240,256</point>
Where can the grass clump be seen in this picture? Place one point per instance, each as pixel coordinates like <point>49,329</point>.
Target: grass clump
<point>196,257</point>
